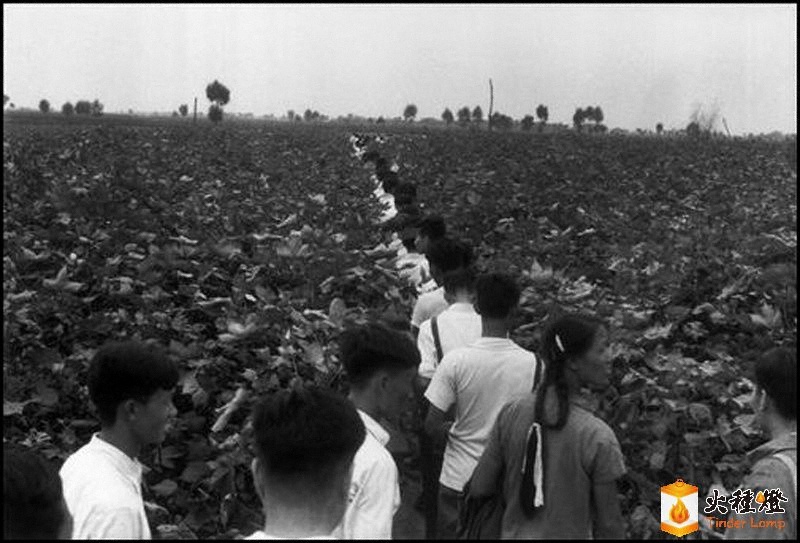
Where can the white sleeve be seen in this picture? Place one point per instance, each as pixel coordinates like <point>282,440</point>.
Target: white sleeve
<point>427,350</point>
<point>120,523</point>
<point>371,513</point>
<point>441,392</point>
<point>419,315</point>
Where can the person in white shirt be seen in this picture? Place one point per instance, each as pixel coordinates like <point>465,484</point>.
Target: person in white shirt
<point>131,386</point>
<point>445,255</point>
<point>478,380</point>
<point>430,229</point>
<point>305,440</point>
<point>381,365</point>
<point>457,326</point>
<point>33,498</point>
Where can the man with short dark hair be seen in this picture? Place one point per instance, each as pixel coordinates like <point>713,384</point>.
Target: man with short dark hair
<point>131,386</point>
<point>417,237</point>
<point>478,380</point>
<point>305,440</point>
<point>33,502</point>
<point>430,229</point>
<point>457,326</point>
<point>381,365</point>
<point>774,464</point>
<point>445,255</point>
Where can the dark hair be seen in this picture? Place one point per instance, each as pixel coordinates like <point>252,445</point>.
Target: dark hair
<point>370,156</point>
<point>405,191</point>
<point>381,164</point>
<point>306,436</point>
<point>776,373</point>
<point>432,227</point>
<point>575,334</point>
<point>449,255</point>
<point>497,294</point>
<point>128,370</point>
<point>374,347</point>
<point>389,180</point>
<point>460,279</point>
<point>33,505</point>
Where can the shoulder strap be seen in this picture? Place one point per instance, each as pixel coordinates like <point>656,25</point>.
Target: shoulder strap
<point>436,340</point>
<point>537,373</point>
<point>786,459</point>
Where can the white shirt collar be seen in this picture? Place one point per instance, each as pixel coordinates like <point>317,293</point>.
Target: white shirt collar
<point>260,534</point>
<point>494,342</point>
<point>461,307</point>
<point>376,430</point>
<point>130,467</point>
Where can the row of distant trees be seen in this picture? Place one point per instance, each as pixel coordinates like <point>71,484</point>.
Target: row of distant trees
<point>81,107</point>
<point>587,114</point>
<point>499,120</point>
<point>703,121</point>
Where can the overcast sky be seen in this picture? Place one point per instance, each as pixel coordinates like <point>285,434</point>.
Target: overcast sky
<point>641,64</point>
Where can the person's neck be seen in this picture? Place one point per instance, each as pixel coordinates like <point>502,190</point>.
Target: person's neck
<point>494,328</point>
<point>461,298</point>
<point>122,439</point>
<point>779,426</point>
<point>299,522</point>
<point>364,401</point>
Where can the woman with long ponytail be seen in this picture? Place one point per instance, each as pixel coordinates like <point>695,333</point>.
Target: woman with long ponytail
<point>550,458</point>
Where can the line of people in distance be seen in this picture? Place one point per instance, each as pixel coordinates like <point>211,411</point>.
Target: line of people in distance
<point>510,441</point>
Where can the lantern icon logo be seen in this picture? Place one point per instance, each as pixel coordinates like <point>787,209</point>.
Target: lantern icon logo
<point>679,506</point>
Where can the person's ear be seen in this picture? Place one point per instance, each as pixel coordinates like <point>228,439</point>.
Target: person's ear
<point>765,403</point>
<point>128,409</point>
<point>384,383</point>
<point>255,470</point>
<point>573,364</point>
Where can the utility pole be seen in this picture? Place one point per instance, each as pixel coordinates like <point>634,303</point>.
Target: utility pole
<point>491,104</point>
<point>195,110</point>
<point>725,124</point>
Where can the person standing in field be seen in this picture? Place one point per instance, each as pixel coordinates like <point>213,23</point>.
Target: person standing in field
<point>550,458</point>
<point>457,326</point>
<point>477,380</point>
<point>381,365</point>
<point>774,464</point>
<point>414,264</point>
<point>33,501</point>
<point>305,440</point>
<point>131,386</point>
<point>445,255</point>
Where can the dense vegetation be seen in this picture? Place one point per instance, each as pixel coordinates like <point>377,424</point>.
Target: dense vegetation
<point>242,250</point>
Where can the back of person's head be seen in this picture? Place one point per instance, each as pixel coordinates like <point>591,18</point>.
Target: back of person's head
<point>33,502</point>
<point>370,156</point>
<point>389,180</point>
<point>776,374</point>
<point>405,194</point>
<point>305,440</point>
<point>372,348</point>
<point>458,281</point>
<point>381,164</point>
<point>127,370</point>
<point>497,295</point>
<point>446,255</point>
<point>432,227</point>
<point>565,339</point>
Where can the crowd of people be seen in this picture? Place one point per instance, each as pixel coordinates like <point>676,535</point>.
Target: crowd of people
<point>510,442</point>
